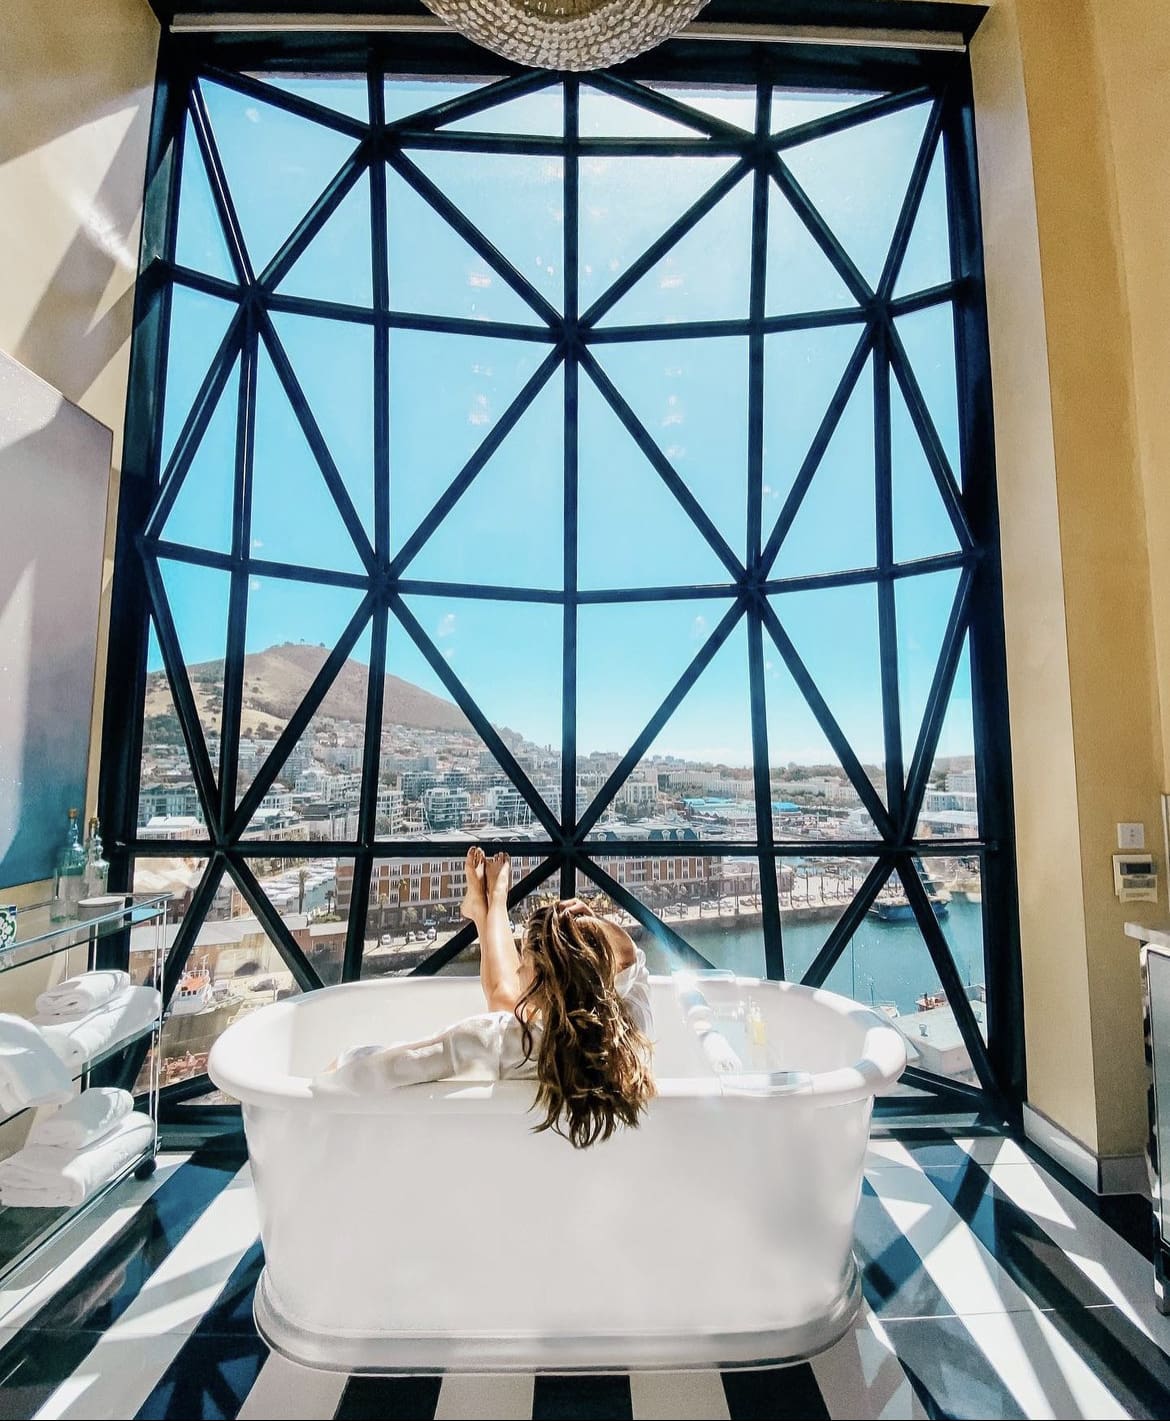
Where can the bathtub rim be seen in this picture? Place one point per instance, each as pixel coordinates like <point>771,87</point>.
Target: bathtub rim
<point>431,1353</point>
<point>232,1066</point>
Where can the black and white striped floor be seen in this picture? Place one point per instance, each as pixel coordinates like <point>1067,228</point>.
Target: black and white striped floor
<point>992,1289</point>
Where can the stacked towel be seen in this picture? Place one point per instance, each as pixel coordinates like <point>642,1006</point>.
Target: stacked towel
<point>87,1118</point>
<point>51,1177</point>
<point>77,1040</point>
<point>78,995</point>
<point>31,1072</point>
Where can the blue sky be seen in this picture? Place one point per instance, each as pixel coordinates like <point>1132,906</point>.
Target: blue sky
<point>448,391</point>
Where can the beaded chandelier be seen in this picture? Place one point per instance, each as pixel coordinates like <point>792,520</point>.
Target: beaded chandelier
<point>567,34</point>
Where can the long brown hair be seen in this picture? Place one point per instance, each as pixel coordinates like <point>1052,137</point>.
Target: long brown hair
<point>591,1061</point>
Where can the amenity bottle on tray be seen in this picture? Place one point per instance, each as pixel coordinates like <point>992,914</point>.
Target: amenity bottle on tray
<point>69,877</point>
<point>97,867</point>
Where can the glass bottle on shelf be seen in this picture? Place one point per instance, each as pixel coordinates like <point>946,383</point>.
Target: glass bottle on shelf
<point>97,867</point>
<point>69,877</point>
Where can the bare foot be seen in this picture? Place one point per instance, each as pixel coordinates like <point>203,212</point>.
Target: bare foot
<point>499,878</point>
<point>474,904</point>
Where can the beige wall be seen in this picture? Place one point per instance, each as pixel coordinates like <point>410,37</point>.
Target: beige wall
<point>76,83</point>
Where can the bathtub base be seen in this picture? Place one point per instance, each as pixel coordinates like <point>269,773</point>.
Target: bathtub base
<point>386,1353</point>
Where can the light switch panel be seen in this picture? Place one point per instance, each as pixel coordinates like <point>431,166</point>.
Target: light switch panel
<point>1131,836</point>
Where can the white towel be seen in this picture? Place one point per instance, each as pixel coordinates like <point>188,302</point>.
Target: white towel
<point>88,1117</point>
<point>31,1073</point>
<point>46,1177</point>
<point>78,995</point>
<point>77,1040</point>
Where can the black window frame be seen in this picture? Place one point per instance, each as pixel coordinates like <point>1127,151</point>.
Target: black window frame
<point>909,75</point>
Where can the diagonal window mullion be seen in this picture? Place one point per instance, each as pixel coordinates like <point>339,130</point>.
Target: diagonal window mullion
<point>666,107</point>
<point>638,910</point>
<point>948,973</point>
<point>912,202</point>
<point>287,740</point>
<point>937,702</point>
<point>466,934</point>
<point>669,705</point>
<point>516,86</point>
<point>195,425</point>
<point>282,99</point>
<point>474,238</point>
<point>463,479</point>
<point>846,925</point>
<point>820,231</point>
<point>832,731</point>
<point>187,936</point>
<point>316,441</point>
<point>662,465</point>
<point>662,244</point>
<point>323,207</point>
<point>820,444</point>
<point>295,960</point>
<point>482,726</point>
<point>936,456</point>
<point>881,107</point>
<point>221,192</point>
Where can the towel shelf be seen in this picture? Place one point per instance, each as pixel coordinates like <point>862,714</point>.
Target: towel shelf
<point>23,1232</point>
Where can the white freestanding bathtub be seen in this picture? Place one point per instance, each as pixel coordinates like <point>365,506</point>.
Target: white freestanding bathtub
<point>429,1229</point>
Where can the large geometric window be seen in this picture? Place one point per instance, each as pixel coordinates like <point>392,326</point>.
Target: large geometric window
<point>597,468</point>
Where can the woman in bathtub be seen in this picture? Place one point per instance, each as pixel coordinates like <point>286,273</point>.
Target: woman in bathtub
<point>570,1008</point>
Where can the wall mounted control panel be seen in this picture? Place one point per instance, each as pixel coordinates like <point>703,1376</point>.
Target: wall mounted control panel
<point>1135,879</point>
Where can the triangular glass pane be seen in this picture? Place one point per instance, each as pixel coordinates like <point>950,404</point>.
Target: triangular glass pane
<point>642,648</point>
<point>922,608</point>
<point>814,894</point>
<point>653,543</point>
<point>198,600</point>
<point>528,228</point>
<point>335,266</point>
<point>515,503</point>
<point>292,629</point>
<point>294,516</point>
<point>835,527</point>
<point>198,323</point>
<point>604,115</point>
<point>812,797</point>
<point>698,771</point>
<point>922,525</point>
<point>415,93</point>
<point>792,107</point>
<point>857,179</point>
<point>540,114</point>
<point>929,339</point>
<point>835,633</point>
<point>691,396</point>
<point>414,911</point>
<point>800,276</point>
<point>334,365</point>
<point>179,875</point>
<point>711,902</point>
<point>508,657</point>
<point>735,104</point>
<point>433,271</point>
<point>276,163</point>
<point>344,93</point>
<point>950,806</point>
<point>927,261</point>
<point>200,242</point>
<point>201,516</point>
<point>802,370</point>
<point>168,805</point>
<point>685,285</point>
<point>628,203</point>
<point>436,775</point>
<point>955,887</point>
<point>446,393</point>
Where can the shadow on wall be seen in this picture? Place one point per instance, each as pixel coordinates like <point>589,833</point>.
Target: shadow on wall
<point>75,94</point>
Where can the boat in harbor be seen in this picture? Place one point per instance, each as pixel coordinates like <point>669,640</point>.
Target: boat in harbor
<point>896,908</point>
